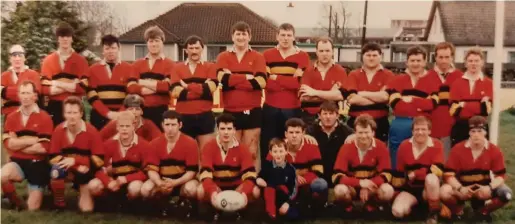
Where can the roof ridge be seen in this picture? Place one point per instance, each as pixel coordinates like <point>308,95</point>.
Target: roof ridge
<point>166,30</point>
<point>259,16</point>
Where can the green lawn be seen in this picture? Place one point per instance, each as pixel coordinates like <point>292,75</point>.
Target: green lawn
<point>506,215</point>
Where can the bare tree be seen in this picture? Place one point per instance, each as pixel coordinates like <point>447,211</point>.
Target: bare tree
<point>336,21</point>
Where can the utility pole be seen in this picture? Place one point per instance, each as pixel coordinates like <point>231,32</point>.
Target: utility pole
<point>336,27</point>
<point>364,31</point>
<point>330,18</point>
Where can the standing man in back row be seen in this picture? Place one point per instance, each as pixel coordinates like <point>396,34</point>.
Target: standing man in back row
<point>285,66</point>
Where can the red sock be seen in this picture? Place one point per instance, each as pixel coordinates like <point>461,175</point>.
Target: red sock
<point>58,192</point>
<point>10,191</point>
<point>269,195</point>
<point>455,206</point>
<point>495,204</point>
<point>434,205</point>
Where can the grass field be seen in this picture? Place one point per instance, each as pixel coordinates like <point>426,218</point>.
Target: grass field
<point>506,215</point>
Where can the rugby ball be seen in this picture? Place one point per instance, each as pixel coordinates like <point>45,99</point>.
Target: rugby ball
<point>57,172</point>
<point>229,201</point>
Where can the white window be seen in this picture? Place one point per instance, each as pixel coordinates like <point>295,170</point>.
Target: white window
<point>358,56</point>
<point>213,51</point>
<point>432,57</point>
<point>399,57</point>
<point>511,57</point>
<point>140,51</point>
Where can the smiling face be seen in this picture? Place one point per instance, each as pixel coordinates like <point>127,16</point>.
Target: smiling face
<point>416,63</point>
<point>155,45</point>
<point>27,95</point>
<point>241,39</point>
<point>278,153</point>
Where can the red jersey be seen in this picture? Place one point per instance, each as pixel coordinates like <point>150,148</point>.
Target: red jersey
<point>172,162</point>
<point>461,92</point>
<point>127,162</point>
<point>107,89</point>
<point>239,93</point>
<point>74,69</point>
<point>160,72</point>
<point>375,165</point>
<point>442,128</point>
<point>428,161</point>
<point>198,96</point>
<point>147,130</point>
<point>425,97</point>
<point>283,92</point>
<point>39,124</point>
<point>312,77</point>
<point>358,81</point>
<point>9,87</point>
<point>468,170</point>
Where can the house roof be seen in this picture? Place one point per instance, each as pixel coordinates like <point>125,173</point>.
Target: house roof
<point>469,23</point>
<point>211,21</point>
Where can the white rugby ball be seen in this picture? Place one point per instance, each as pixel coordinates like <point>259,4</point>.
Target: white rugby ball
<point>230,201</point>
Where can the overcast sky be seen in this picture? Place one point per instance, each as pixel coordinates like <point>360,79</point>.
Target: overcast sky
<point>303,14</point>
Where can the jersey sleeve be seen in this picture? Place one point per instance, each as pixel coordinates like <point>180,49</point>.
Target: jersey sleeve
<point>192,157</point>
<point>248,171</point>
<point>341,169</point>
<point>383,167</point>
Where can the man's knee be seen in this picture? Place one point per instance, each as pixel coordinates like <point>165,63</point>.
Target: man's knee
<point>398,211</point>
<point>504,193</point>
<point>318,185</point>
<point>385,192</point>
<point>147,188</point>
<point>134,189</point>
<point>341,192</point>
<point>446,192</point>
<point>200,193</point>
<point>190,188</point>
<point>256,192</point>
<point>95,186</point>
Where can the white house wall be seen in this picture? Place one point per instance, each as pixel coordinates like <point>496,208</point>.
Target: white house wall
<point>460,53</point>
<point>436,34</point>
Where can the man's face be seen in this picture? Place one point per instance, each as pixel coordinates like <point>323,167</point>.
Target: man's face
<point>65,41</point>
<point>241,38</point>
<point>110,52</point>
<point>194,51</point>
<point>27,95</point>
<point>72,114</point>
<point>155,46</point>
<point>17,60</point>
<point>477,136</point>
<point>324,52</point>
<point>416,63</point>
<point>444,59</point>
<point>278,152</point>
<point>285,38</point>
<point>328,118</point>
<point>171,127</point>
<point>364,136</point>
<point>226,131</point>
<point>421,133</point>
<point>136,111</point>
<point>371,59</point>
<point>474,63</point>
<point>125,128</point>
<point>294,135</point>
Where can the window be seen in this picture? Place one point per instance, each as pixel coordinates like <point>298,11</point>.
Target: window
<point>358,56</point>
<point>213,51</point>
<point>399,57</point>
<point>511,57</point>
<point>140,51</point>
<point>432,57</point>
<point>182,54</point>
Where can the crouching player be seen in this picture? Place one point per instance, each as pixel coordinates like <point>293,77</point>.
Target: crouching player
<point>278,178</point>
<point>74,144</point>
<point>362,169</point>
<point>467,175</point>
<point>123,156</point>
<point>226,165</point>
<point>420,158</point>
<point>171,164</point>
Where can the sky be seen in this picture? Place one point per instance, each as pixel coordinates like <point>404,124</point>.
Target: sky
<point>304,13</point>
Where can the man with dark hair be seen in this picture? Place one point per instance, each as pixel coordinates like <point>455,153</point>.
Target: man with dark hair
<point>410,96</point>
<point>193,84</point>
<point>107,81</point>
<point>26,138</point>
<point>144,127</point>
<point>285,65</point>
<point>468,175</point>
<point>151,76</point>
<point>11,79</point>
<point>242,73</point>
<point>226,164</point>
<point>63,73</point>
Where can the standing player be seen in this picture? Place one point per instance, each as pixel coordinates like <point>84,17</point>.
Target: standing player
<point>443,75</point>
<point>193,84</point>
<point>13,77</point>
<point>242,73</point>
<point>77,148</point>
<point>410,96</point>
<point>107,83</point>
<point>362,168</point>
<point>366,90</point>
<point>319,79</point>
<point>151,76</point>
<point>171,163</point>
<point>26,138</point>
<point>421,160</point>
<point>467,175</point>
<point>63,73</point>
<point>285,66</point>
<point>471,95</point>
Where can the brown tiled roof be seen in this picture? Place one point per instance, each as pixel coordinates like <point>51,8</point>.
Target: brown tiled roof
<point>472,22</point>
<point>211,21</point>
